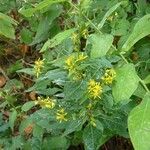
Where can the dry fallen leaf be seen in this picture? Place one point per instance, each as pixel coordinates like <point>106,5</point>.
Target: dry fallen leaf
<point>28,129</point>
<point>32,95</point>
<point>2,81</point>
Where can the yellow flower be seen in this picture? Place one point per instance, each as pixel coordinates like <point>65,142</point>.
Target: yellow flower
<point>85,33</point>
<point>92,122</point>
<point>109,76</point>
<point>78,76</point>
<point>81,57</point>
<point>110,18</point>
<point>91,84</point>
<point>89,106</point>
<point>70,63</point>
<point>75,38</point>
<point>46,103</point>
<point>39,64</point>
<point>94,89</point>
<point>61,115</point>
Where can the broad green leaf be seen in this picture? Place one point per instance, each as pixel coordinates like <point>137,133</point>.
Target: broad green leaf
<point>73,125</point>
<point>6,26</point>
<point>38,131</point>
<point>91,138</point>
<point>140,91</point>
<point>139,125</point>
<point>54,75</point>
<point>26,36</point>
<point>55,143</point>
<point>27,106</point>
<point>4,127</point>
<point>142,4</point>
<point>121,27</point>
<point>42,5</point>
<point>101,43</point>
<point>17,142</point>
<point>14,67</point>
<point>12,119</point>
<point>7,19</point>
<point>147,79</point>
<point>99,125</point>
<point>85,4</point>
<point>56,40</point>
<point>29,71</point>
<point>45,24</point>
<point>13,83</point>
<point>108,13</point>
<point>126,83</point>
<point>38,86</point>
<point>141,29</point>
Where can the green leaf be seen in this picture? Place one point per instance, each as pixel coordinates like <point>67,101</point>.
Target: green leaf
<point>14,67</point>
<point>29,71</point>
<point>54,75</point>
<point>140,91</point>
<point>85,4</point>
<point>147,79</point>
<point>126,83</point>
<point>101,43</point>
<point>99,125</point>
<point>38,131</point>
<point>55,143</point>
<point>12,118</point>
<point>13,83</point>
<point>17,142</point>
<point>142,4</point>
<point>27,106</point>
<point>73,125</point>
<point>91,137</point>
<point>57,39</point>
<point>45,24</point>
<point>141,29</point>
<point>108,13</point>
<point>4,127</point>
<point>7,19</point>
<point>6,26</point>
<point>26,36</point>
<point>139,125</point>
<point>42,5</point>
<point>121,27</point>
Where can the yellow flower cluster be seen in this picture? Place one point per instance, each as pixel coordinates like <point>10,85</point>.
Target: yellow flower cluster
<point>81,57</point>
<point>111,18</point>
<point>74,37</point>
<point>39,64</point>
<point>76,41</point>
<point>85,33</point>
<point>109,76</point>
<point>94,89</point>
<point>89,106</point>
<point>46,103</point>
<point>61,115</point>
<point>92,121</point>
<point>71,64</point>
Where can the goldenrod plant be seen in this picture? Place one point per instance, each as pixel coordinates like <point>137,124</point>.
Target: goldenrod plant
<point>82,76</point>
